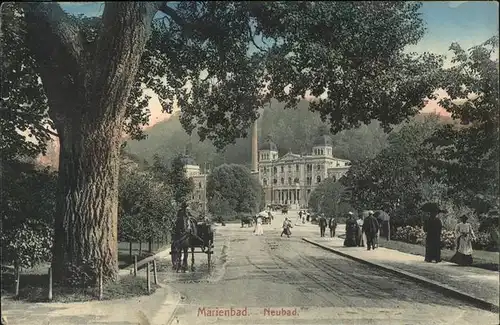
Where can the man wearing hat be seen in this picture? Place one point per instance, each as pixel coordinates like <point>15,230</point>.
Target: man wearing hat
<point>432,228</point>
<point>370,228</point>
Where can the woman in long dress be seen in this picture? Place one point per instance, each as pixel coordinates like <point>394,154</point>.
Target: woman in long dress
<point>259,230</point>
<point>465,236</point>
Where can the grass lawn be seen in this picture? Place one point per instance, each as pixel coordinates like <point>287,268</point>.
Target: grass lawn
<point>33,287</point>
<point>482,259</point>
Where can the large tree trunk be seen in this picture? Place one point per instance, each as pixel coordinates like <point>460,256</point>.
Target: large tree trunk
<point>87,87</point>
<point>86,222</point>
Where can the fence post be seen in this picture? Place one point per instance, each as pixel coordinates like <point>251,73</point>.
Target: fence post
<point>148,277</point>
<point>18,279</point>
<point>135,265</point>
<point>50,283</point>
<point>154,272</point>
<point>100,284</point>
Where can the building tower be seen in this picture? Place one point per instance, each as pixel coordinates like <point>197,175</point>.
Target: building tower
<point>255,148</point>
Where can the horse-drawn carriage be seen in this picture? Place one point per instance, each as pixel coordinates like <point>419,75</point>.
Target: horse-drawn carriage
<point>190,233</point>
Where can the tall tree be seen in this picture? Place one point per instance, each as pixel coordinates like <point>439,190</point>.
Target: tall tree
<point>466,156</point>
<point>177,179</point>
<point>93,72</point>
<point>392,180</point>
<point>232,189</point>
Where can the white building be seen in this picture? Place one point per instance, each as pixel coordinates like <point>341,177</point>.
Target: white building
<point>199,195</point>
<point>292,177</point>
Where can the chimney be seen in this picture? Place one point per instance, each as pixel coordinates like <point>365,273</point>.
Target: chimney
<point>254,147</point>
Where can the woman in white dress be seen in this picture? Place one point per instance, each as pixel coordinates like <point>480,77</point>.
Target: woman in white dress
<point>465,236</point>
<point>259,230</point>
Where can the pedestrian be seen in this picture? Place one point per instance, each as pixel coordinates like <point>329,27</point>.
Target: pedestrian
<point>351,230</point>
<point>332,224</point>
<point>465,236</point>
<point>359,234</point>
<point>286,228</point>
<point>259,230</point>
<point>322,225</point>
<point>432,228</point>
<point>370,228</point>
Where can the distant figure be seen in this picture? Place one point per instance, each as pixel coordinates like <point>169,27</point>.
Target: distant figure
<point>300,214</point>
<point>286,228</point>
<point>351,231</point>
<point>370,228</point>
<point>259,230</point>
<point>332,224</point>
<point>322,225</point>
<point>433,227</point>
<point>308,216</point>
<point>359,234</point>
<point>465,236</point>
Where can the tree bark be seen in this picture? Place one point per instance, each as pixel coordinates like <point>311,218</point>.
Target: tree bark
<point>87,86</point>
<point>87,212</point>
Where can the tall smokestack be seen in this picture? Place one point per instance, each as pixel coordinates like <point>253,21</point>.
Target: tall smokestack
<point>255,148</point>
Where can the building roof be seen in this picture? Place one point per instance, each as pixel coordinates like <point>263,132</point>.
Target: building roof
<point>188,160</point>
<point>323,140</point>
<point>268,145</point>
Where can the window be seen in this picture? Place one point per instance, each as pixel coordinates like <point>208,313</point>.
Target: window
<point>318,166</point>
<point>282,180</point>
<point>282,169</point>
<point>275,181</point>
<point>275,170</point>
<point>318,179</point>
<point>296,180</point>
<point>309,167</point>
<point>297,167</point>
<point>289,167</point>
<point>289,181</point>
<point>338,164</point>
<point>308,180</point>
<point>199,184</point>
<point>264,181</point>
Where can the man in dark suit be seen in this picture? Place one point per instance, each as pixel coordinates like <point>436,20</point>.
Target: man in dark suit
<point>370,228</point>
<point>332,224</point>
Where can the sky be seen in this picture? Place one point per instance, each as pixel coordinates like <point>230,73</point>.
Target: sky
<point>467,22</point>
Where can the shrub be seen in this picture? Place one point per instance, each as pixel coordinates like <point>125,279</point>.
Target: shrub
<point>485,241</point>
<point>409,234</point>
<point>448,239</point>
<point>27,244</point>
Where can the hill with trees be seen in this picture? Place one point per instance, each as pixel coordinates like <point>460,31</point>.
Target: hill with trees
<point>291,129</point>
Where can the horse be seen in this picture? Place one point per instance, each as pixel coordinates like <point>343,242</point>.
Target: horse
<point>200,235</point>
<point>246,221</point>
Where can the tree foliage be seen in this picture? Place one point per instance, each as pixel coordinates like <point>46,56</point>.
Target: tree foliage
<point>93,73</point>
<point>466,157</point>
<point>27,246</point>
<point>328,198</point>
<point>394,180</point>
<point>29,192</point>
<point>232,189</point>
<point>274,43</point>
<point>147,207</point>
